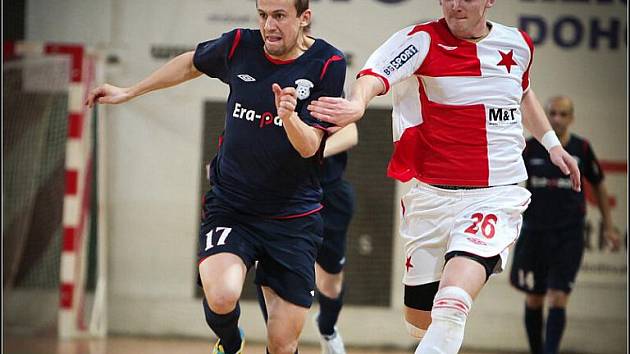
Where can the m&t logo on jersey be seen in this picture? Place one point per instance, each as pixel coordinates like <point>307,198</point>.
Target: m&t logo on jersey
<point>400,59</point>
<point>265,118</point>
<point>502,116</point>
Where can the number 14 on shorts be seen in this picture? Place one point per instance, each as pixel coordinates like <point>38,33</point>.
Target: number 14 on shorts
<point>221,233</point>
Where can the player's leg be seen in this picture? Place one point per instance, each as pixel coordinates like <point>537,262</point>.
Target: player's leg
<point>226,251</point>
<point>562,273</point>
<point>417,309</point>
<point>222,276</point>
<point>330,298</point>
<point>338,204</point>
<point>425,223</point>
<point>463,277</point>
<point>286,274</point>
<point>486,223</point>
<point>534,304</point>
<point>284,324</point>
<point>529,275</point>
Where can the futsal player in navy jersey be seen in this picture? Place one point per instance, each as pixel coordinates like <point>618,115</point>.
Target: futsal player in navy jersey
<point>265,198</point>
<point>337,213</point>
<point>338,208</point>
<point>549,250</point>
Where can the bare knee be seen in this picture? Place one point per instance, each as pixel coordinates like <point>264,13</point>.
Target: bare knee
<point>221,301</point>
<point>280,344</point>
<point>534,301</point>
<point>557,298</point>
<point>330,284</point>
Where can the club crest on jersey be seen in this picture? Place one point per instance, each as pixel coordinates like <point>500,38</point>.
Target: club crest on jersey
<point>303,88</point>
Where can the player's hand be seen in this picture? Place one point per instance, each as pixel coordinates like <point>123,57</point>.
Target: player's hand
<point>336,110</point>
<point>567,164</point>
<point>286,100</point>
<point>613,239</point>
<point>107,93</point>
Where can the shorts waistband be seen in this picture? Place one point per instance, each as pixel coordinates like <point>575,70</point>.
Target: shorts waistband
<point>449,187</point>
<point>444,186</point>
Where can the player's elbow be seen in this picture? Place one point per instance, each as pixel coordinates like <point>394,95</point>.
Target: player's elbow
<point>308,151</point>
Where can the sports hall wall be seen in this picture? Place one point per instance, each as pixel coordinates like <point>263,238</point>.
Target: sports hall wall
<point>154,153</point>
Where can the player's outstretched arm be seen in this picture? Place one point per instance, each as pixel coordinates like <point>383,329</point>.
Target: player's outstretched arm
<point>304,138</point>
<point>535,120</point>
<point>176,71</point>
<point>342,139</point>
<point>341,111</point>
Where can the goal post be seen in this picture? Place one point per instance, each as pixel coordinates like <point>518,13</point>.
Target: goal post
<point>55,78</point>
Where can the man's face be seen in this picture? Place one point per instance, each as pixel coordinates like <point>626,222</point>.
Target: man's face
<point>465,17</point>
<point>279,25</point>
<point>560,114</point>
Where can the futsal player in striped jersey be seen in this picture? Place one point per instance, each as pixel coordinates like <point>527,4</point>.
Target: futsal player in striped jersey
<point>461,97</point>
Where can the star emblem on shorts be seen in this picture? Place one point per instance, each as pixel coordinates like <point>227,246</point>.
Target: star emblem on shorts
<point>408,264</point>
<point>507,60</point>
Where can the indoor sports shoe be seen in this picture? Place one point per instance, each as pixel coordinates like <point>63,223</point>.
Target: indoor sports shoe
<point>218,347</point>
<point>331,344</point>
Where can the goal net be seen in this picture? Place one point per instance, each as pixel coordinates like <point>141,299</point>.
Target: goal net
<point>49,202</point>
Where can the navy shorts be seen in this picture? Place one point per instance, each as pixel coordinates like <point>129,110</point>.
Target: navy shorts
<point>547,259</point>
<point>338,204</point>
<point>285,249</point>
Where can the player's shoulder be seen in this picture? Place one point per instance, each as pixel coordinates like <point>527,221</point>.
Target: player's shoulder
<point>247,36</point>
<point>324,50</point>
<point>430,27</point>
<point>580,142</point>
<point>511,34</point>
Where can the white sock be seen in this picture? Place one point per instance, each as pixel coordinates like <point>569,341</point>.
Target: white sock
<point>446,332</point>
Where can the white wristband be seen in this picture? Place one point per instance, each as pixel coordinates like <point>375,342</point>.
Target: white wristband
<point>550,140</point>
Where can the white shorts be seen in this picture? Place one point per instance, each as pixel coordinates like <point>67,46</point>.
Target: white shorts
<point>484,221</point>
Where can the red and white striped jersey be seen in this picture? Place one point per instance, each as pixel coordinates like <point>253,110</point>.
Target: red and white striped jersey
<point>456,110</point>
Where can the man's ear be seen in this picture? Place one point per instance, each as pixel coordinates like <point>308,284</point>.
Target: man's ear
<point>305,18</point>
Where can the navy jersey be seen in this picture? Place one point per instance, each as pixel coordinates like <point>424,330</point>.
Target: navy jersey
<point>334,167</point>
<point>554,204</point>
<point>257,171</point>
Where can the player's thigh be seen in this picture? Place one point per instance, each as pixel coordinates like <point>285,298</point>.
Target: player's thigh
<point>465,273</point>
<point>529,264</point>
<point>287,264</point>
<point>427,216</point>
<point>489,222</point>
<point>338,204</point>
<point>563,270</point>
<point>225,253</point>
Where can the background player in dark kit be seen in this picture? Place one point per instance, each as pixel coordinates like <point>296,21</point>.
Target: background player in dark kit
<point>549,250</point>
<point>338,204</point>
<point>265,198</point>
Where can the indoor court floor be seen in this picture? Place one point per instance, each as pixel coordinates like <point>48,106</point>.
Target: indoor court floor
<point>152,345</point>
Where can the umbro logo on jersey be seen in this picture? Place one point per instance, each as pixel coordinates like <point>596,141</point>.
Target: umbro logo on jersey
<point>446,46</point>
<point>246,78</point>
